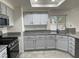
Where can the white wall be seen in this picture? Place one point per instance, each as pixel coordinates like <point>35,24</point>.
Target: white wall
<point>73,19</point>
<point>57,12</point>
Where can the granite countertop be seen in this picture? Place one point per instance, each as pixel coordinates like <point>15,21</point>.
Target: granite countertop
<point>74,35</point>
<point>50,33</point>
<point>2,47</point>
<point>11,34</point>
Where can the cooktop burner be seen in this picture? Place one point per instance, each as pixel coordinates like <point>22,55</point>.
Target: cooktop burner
<point>6,41</point>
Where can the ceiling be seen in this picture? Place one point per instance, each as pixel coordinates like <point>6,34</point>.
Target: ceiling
<point>68,4</point>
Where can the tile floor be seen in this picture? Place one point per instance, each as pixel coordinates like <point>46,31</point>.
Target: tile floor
<point>45,54</point>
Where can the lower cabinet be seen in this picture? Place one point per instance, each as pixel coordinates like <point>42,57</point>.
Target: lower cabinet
<point>29,43</point>
<point>40,44</point>
<point>62,43</point>
<point>50,42</point>
<point>65,43</point>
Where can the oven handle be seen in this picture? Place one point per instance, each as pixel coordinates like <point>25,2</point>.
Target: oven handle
<point>14,46</point>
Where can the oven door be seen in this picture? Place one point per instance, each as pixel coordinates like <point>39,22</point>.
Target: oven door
<point>14,51</point>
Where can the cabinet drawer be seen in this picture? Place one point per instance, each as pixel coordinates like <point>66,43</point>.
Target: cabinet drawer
<point>29,38</point>
<point>41,37</point>
<point>65,37</point>
<point>71,47</point>
<point>72,52</point>
<point>59,37</point>
<point>71,39</point>
<point>71,43</point>
<point>51,37</point>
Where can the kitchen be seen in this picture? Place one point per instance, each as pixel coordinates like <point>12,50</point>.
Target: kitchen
<point>39,29</point>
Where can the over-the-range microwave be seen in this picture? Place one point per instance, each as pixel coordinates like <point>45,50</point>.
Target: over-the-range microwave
<point>4,20</point>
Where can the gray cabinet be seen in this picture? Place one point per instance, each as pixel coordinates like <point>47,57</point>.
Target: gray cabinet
<point>29,42</point>
<point>11,16</point>
<point>62,43</point>
<point>44,19</point>
<point>40,42</point>
<point>28,19</point>
<point>3,9</point>
<point>35,19</point>
<point>50,42</point>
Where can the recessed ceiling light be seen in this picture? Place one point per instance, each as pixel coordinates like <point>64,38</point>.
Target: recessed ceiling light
<point>53,0</point>
<point>43,3</point>
<point>36,0</point>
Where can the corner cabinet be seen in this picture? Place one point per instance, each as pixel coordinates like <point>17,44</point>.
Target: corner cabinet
<point>62,43</point>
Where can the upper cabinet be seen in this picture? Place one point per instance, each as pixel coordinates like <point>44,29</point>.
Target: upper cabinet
<point>36,19</point>
<point>3,9</point>
<point>10,15</point>
<point>44,18</point>
<point>28,19</point>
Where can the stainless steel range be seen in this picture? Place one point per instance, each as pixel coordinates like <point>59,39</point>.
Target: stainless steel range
<point>13,46</point>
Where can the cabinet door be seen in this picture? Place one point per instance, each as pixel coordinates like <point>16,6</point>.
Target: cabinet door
<point>44,19</point>
<point>40,42</point>
<point>36,19</point>
<point>62,43</point>
<point>50,42</point>
<point>28,19</point>
<point>10,15</point>
<point>3,9</point>
<point>29,43</point>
